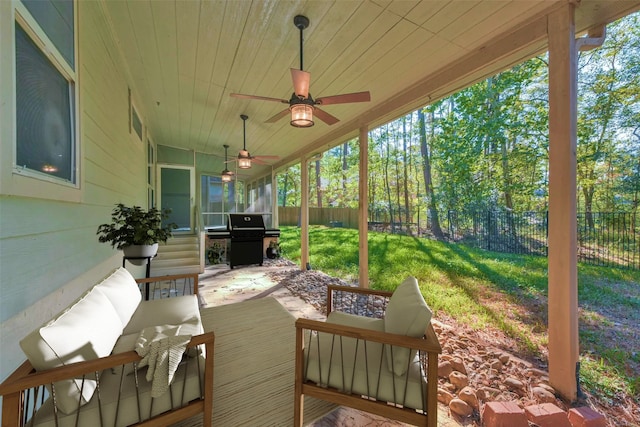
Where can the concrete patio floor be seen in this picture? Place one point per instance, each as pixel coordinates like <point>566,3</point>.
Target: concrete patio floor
<point>219,285</point>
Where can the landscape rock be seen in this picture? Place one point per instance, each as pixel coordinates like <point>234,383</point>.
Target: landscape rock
<point>444,369</point>
<point>542,395</point>
<point>547,387</point>
<point>468,395</point>
<point>444,396</point>
<point>458,365</point>
<point>533,372</point>
<point>514,384</point>
<point>487,393</point>
<point>460,408</point>
<point>458,379</point>
<point>450,387</point>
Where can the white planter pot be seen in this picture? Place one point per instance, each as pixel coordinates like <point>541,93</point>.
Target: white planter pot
<point>140,251</point>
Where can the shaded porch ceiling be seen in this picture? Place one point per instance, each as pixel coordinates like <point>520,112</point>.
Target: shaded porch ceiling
<point>186,57</point>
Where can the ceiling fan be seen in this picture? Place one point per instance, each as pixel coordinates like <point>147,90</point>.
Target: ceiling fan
<point>244,157</point>
<point>302,105</point>
<point>226,175</point>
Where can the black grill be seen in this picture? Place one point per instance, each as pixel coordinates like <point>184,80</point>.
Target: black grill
<point>246,232</point>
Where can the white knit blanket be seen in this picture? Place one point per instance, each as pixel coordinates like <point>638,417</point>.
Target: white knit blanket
<point>161,349</point>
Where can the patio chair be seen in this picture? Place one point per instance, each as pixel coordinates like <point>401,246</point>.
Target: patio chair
<point>377,352</point>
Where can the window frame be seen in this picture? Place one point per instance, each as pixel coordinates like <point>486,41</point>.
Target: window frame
<point>28,181</point>
<point>152,155</point>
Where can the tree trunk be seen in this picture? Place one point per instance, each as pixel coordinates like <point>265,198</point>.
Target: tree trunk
<point>426,171</point>
<point>588,191</point>
<point>397,185</point>
<point>506,176</point>
<point>405,173</point>
<point>345,166</point>
<point>386,179</point>
<point>506,183</point>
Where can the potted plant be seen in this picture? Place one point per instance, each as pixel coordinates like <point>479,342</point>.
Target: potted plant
<point>136,231</point>
<point>215,253</point>
<point>273,251</point>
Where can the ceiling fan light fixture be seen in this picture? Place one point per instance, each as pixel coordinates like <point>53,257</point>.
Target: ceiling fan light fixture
<point>226,176</point>
<point>301,115</point>
<point>244,158</point>
<point>244,162</point>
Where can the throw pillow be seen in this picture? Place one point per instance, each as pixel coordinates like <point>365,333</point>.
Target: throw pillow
<point>407,314</point>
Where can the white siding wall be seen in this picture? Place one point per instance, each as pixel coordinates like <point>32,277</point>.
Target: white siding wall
<point>49,252</point>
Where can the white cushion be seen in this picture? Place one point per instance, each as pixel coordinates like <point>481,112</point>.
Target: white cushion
<point>407,314</point>
<point>123,292</point>
<point>180,310</point>
<point>86,330</point>
<point>130,403</point>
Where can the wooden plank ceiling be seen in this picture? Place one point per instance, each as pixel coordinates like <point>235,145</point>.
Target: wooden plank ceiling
<point>186,57</point>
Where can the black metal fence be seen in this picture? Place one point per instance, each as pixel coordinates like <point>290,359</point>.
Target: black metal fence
<point>604,238</point>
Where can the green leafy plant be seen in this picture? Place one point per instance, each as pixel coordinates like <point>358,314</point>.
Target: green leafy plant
<point>215,253</point>
<point>274,252</point>
<point>135,226</point>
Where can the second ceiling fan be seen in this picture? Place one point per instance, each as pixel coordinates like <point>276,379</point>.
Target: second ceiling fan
<point>302,106</point>
<point>244,158</point>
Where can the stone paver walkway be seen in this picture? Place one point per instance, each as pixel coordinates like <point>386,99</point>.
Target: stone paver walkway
<point>220,285</point>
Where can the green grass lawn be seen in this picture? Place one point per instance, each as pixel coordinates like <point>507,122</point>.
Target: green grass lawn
<point>486,289</point>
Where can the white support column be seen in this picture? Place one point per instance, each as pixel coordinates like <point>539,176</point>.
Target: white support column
<point>304,213</point>
<point>275,219</point>
<point>363,209</point>
<point>563,282</point>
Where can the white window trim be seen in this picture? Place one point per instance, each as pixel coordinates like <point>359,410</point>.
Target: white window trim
<point>133,107</point>
<point>16,180</point>
<point>151,186</point>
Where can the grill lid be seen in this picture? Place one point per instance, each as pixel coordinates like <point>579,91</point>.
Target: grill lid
<point>245,222</point>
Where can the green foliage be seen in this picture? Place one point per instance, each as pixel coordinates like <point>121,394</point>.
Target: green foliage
<point>135,226</point>
<point>216,253</point>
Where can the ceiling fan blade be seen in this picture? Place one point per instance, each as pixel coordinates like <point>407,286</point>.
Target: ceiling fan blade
<point>300,82</point>
<point>325,117</point>
<point>278,116</point>
<point>267,157</point>
<point>258,161</point>
<point>231,161</point>
<point>344,98</point>
<point>261,98</point>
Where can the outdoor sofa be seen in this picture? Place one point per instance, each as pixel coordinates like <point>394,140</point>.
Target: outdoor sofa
<point>82,367</point>
<point>376,352</point>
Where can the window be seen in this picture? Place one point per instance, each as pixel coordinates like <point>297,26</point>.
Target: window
<point>136,123</point>
<point>45,91</point>
<point>259,199</point>
<point>217,199</point>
